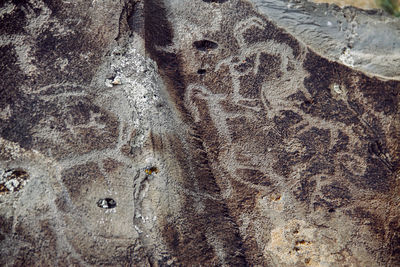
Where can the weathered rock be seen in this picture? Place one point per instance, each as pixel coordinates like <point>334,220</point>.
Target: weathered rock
<point>181,133</point>
<point>365,40</point>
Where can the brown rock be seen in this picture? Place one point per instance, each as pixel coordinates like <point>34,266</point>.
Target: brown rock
<point>219,138</point>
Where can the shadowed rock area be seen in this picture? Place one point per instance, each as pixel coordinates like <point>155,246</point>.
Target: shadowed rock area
<point>195,133</point>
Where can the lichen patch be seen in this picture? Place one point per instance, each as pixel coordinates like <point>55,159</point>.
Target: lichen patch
<point>12,180</point>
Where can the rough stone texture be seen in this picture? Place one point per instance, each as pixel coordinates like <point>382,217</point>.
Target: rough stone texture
<point>365,40</point>
<point>222,139</point>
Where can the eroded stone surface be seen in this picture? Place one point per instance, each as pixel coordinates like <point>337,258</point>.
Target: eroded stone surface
<point>303,149</point>
<point>221,138</point>
<point>365,40</point>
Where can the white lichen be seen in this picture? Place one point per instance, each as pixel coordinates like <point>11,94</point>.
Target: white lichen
<point>337,89</point>
<point>12,184</point>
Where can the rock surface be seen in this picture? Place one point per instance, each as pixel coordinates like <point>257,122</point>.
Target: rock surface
<point>196,133</point>
<point>363,40</point>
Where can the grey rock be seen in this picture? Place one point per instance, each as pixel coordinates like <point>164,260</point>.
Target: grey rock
<point>205,133</point>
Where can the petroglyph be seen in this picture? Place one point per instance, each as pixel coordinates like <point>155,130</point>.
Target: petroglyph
<point>274,96</point>
<point>175,133</point>
<point>277,119</point>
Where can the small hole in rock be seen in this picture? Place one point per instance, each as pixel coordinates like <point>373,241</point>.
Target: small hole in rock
<point>201,71</point>
<point>205,45</point>
<point>151,170</point>
<point>19,173</point>
<point>106,203</point>
<point>300,242</point>
<point>307,102</point>
<point>331,210</point>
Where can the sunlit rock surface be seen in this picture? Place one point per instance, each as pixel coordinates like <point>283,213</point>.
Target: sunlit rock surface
<point>198,133</point>
<point>365,40</point>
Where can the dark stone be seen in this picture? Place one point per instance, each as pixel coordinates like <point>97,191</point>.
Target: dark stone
<point>205,45</point>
